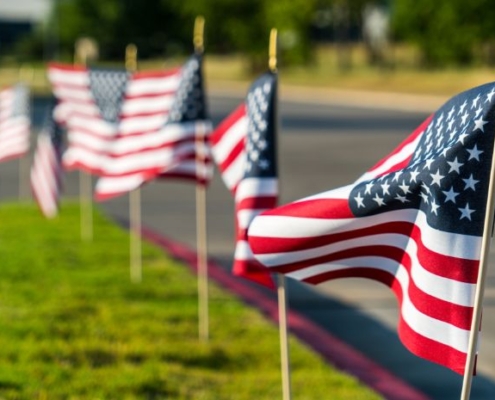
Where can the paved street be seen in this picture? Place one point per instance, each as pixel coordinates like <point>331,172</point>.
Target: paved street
<point>321,147</point>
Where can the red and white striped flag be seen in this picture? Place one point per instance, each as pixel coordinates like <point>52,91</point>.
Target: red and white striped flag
<point>171,144</point>
<point>46,171</point>
<point>89,102</point>
<point>413,222</point>
<point>244,149</point>
<point>15,122</point>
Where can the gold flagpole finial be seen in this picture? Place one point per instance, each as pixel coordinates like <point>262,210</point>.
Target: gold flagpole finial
<point>272,51</point>
<point>198,39</point>
<point>131,57</point>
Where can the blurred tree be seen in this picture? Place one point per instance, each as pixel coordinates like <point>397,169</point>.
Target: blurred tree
<point>164,27</point>
<point>244,25</point>
<point>448,32</point>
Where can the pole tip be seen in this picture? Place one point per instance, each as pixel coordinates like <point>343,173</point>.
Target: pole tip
<point>131,57</point>
<point>198,38</point>
<point>272,51</point>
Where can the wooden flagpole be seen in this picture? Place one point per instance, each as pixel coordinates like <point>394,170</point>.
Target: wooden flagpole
<point>201,231</point>
<point>480,286</point>
<point>281,281</point>
<point>26,76</point>
<point>134,196</point>
<point>85,180</point>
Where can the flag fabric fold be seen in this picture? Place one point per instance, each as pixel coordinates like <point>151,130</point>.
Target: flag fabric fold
<point>414,222</point>
<point>15,122</point>
<point>244,149</point>
<point>172,144</point>
<point>46,171</point>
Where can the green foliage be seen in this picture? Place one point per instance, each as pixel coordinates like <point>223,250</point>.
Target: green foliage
<point>74,327</point>
<point>448,32</point>
<point>164,27</point>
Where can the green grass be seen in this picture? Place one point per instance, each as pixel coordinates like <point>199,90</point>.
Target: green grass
<point>72,326</point>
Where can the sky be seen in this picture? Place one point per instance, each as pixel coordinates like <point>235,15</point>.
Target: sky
<point>24,10</point>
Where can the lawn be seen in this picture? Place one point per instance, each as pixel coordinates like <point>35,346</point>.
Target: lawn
<point>74,327</point>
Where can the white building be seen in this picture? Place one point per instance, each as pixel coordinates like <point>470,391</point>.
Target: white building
<point>24,10</point>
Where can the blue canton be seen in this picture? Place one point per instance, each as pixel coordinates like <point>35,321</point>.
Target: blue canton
<point>51,128</point>
<point>190,103</point>
<point>261,113</point>
<point>108,90</point>
<point>447,176</point>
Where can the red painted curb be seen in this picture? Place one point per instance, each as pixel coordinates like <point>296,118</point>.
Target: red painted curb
<point>332,349</point>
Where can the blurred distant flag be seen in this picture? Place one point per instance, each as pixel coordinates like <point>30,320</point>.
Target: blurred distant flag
<point>174,127</point>
<point>413,222</point>
<point>15,122</point>
<point>244,148</point>
<point>46,171</point>
<point>89,104</point>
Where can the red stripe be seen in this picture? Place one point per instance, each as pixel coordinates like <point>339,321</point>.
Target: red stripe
<point>232,156</point>
<point>259,202</point>
<point>319,208</point>
<point>227,123</point>
<point>65,67</point>
<point>155,74</point>
<point>253,271</point>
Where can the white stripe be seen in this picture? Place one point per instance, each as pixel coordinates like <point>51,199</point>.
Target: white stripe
<point>155,158</point>
<point>59,76</point>
<point>256,186</point>
<point>118,184</point>
<point>94,125</point>
<point>153,85</point>
<point>243,251</point>
<point>73,95</point>
<point>130,126</point>
<point>158,104</point>
<point>235,172</point>
<point>244,217</point>
<point>340,193</point>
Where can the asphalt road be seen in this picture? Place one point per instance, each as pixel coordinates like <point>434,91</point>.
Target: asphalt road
<point>320,147</point>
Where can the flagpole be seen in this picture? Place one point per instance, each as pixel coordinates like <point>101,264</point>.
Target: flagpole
<point>25,76</point>
<point>480,287</point>
<point>281,281</point>
<point>201,230</point>
<point>85,180</point>
<point>136,273</point>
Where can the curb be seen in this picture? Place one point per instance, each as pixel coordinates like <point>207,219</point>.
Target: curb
<point>332,349</point>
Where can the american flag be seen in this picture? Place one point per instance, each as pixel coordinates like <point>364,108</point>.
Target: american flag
<point>174,144</point>
<point>244,149</point>
<point>46,171</point>
<point>114,118</point>
<point>15,122</point>
<point>413,222</point>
